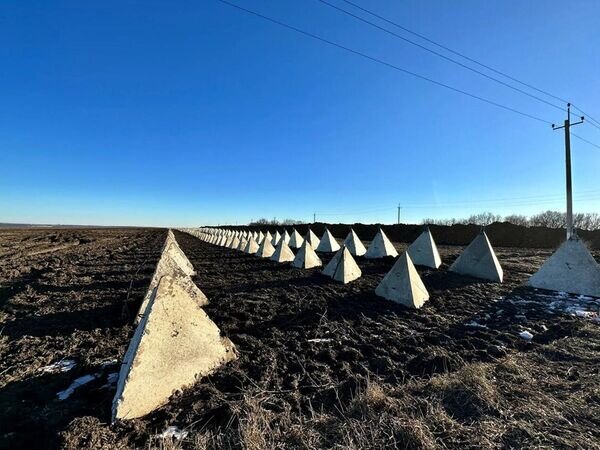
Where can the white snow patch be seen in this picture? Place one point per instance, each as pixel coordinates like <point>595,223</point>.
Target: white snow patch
<point>474,324</point>
<point>63,395</point>
<point>526,335</point>
<point>320,340</point>
<point>59,367</point>
<point>173,432</point>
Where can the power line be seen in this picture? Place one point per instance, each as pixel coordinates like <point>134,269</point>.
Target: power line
<point>462,55</point>
<point>385,63</point>
<point>585,140</point>
<point>416,44</point>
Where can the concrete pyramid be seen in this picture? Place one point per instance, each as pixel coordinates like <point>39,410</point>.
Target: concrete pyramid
<point>234,242</point>
<point>402,284</point>
<point>251,246</point>
<point>276,238</point>
<point>354,244</point>
<point>260,237</point>
<point>328,243</point>
<point>167,266</point>
<point>296,239</point>
<point>312,238</point>
<point>424,252</point>
<point>175,344</point>
<point>266,249</point>
<point>381,247</point>
<point>571,269</point>
<point>269,236</point>
<point>173,251</point>
<point>479,260</point>
<point>221,241</point>
<point>306,258</point>
<point>242,244</point>
<point>286,237</point>
<point>342,267</point>
<point>283,253</point>
<point>228,242</point>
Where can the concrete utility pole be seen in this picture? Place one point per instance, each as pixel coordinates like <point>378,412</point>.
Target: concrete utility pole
<point>399,208</point>
<point>567,126</point>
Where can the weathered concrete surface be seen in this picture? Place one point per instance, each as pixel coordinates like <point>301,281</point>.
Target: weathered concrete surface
<point>328,243</point>
<point>424,252</point>
<point>235,243</point>
<point>402,284</point>
<point>479,260</point>
<point>173,251</point>
<point>571,269</point>
<point>296,240</point>
<point>312,239</point>
<point>167,267</point>
<point>242,245</point>
<point>286,237</point>
<point>266,249</point>
<point>276,238</point>
<point>175,344</point>
<point>354,244</point>
<point>306,258</point>
<point>381,247</point>
<point>343,267</point>
<point>283,253</point>
<point>251,246</point>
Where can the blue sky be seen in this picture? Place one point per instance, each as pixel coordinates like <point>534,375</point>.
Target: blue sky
<point>188,113</point>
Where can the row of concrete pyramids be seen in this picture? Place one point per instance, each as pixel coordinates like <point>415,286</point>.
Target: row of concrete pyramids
<point>402,284</point>
<point>175,341</point>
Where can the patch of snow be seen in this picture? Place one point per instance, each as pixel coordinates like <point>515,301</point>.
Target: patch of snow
<point>59,367</point>
<point>63,395</point>
<point>474,324</point>
<point>173,432</point>
<point>526,335</point>
<point>110,362</point>
<point>320,340</point>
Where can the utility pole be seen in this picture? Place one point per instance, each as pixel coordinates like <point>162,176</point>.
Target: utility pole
<point>314,217</point>
<point>567,126</point>
<point>399,208</point>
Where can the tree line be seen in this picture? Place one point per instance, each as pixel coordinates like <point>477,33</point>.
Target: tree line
<point>549,219</point>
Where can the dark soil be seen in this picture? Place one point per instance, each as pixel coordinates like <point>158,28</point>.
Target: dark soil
<point>322,365</point>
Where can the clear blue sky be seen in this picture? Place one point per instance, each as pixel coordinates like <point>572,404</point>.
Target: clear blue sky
<point>187,113</point>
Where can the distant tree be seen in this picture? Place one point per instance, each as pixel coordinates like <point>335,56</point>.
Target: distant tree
<point>517,219</point>
<point>484,218</point>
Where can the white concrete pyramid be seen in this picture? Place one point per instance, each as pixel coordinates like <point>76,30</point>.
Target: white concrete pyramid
<point>251,246</point>
<point>283,253</point>
<point>479,260</point>
<point>168,266</point>
<point>570,269</point>
<point>342,267</point>
<point>424,252</point>
<point>306,258</point>
<point>286,237</point>
<point>276,238</point>
<point>296,239</point>
<point>175,344</point>
<point>328,243</point>
<point>354,244</point>
<point>260,238</point>
<point>242,245</point>
<point>228,242</point>
<point>381,247</point>
<point>173,251</point>
<point>402,284</point>
<point>266,249</point>
<point>312,238</point>
<point>234,242</point>
<point>269,236</point>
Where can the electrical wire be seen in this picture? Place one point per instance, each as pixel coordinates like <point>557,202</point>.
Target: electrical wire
<point>384,63</point>
<point>560,108</point>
